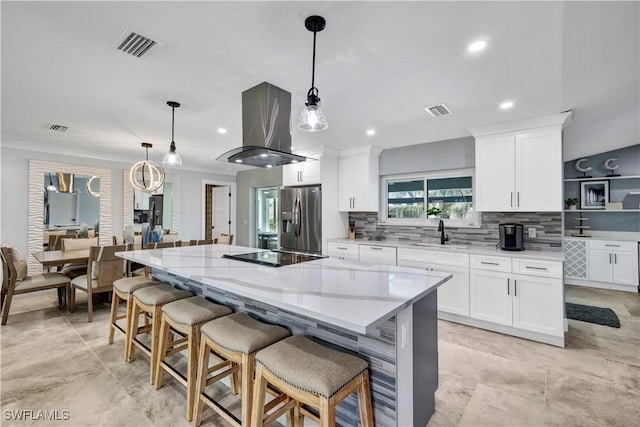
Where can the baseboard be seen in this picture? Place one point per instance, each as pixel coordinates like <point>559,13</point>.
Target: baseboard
<point>600,285</point>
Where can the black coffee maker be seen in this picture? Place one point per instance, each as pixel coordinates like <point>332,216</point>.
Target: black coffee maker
<point>511,237</point>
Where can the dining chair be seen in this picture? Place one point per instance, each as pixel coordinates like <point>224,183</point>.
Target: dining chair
<point>74,270</point>
<point>226,239</point>
<point>170,238</point>
<point>55,241</point>
<point>202,242</point>
<point>103,269</point>
<point>163,245</point>
<point>15,279</point>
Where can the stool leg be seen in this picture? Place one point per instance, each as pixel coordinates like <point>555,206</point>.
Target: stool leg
<point>259,392</point>
<point>327,412</point>
<point>247,387</point>
<point>155,335</point>
<point>132,331</point>
<point>115,301</point>
<point>192,364</point>
<point>161,352</point>
<point>201,380</point>
<point>234,379</point>
<point>364,401</point>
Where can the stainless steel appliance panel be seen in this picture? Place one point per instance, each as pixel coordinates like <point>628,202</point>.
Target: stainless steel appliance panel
<point>301,225</point>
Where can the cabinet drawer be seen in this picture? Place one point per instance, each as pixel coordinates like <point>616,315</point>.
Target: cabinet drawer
<point>534,267</point>
<point>415,255</point>
<point>450,258</point>
<point>378,254</point>
<point>342,249</point>
<point>487,262</point>
<point>613,245</point>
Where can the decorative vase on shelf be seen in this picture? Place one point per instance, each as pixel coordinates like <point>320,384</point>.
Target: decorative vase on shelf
<point>572,207</point>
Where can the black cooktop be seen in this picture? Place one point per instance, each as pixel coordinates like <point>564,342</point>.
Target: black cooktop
<point>274,258</point>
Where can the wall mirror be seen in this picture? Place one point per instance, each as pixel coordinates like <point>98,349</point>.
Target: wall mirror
<point>161,207</point>
<point>71,202</point>
<point>38,182</point>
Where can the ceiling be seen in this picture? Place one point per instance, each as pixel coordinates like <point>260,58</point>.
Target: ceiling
<point>378,65</point>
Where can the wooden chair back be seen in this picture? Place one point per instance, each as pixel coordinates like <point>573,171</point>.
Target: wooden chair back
<point>162,245</point>
<point>202,242</point>
<point>55,241</point>
<point>8,272</point>
<point>226,239</point>
<point>105,267</point>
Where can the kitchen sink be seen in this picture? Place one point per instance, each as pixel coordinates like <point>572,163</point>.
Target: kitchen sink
<point>436,245</point>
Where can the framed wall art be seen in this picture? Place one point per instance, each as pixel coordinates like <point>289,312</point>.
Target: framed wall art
<point>594,194</point>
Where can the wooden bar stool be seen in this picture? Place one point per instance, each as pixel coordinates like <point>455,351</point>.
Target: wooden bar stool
<point>149,300</point>
<point>236,339</point>
<point>311,374</point>
<point>122,290</point>
<point>184,319</point>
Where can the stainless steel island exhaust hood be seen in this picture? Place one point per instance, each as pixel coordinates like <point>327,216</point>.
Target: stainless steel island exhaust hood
<point>266,130</point>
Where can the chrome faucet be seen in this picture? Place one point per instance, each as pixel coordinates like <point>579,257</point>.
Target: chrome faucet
<point>443,237</point>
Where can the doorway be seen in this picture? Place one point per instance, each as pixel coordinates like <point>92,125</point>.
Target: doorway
<point>218,206</point>
<point>267,209</point>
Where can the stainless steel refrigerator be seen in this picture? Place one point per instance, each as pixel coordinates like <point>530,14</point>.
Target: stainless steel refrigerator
<point>301,219</point>
<point>155,211</point>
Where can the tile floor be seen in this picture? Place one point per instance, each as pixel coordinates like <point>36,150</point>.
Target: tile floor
<point>53,360</point>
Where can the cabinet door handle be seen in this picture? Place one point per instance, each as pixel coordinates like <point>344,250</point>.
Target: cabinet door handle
<point>341,248</point>
<point>535,268</point>
<point>515,287</point>
<point>609,258</point>
<point>518,198</point>
<point>508,280</point>
<point>489,263</point>
<point>511,198</point>
<point>375,248</point>
<point>612,246</point>
<point>354,203</point>
<point>615,258</point>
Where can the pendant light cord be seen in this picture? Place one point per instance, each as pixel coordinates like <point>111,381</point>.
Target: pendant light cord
<point>313,68</point>
<point>173,112</point>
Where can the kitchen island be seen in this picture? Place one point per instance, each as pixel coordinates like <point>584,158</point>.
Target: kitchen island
<point>386,315</point>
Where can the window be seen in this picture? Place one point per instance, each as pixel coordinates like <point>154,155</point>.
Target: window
<point>424,199</point>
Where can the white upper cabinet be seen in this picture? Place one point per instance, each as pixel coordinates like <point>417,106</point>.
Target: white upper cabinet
<point>305,173</point>
<point>519,166</point>
<point>358,180</point>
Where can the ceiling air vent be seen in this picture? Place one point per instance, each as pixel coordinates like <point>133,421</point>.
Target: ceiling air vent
<point>58,128</point>
<point>134,44</point>
<point>438,110</point>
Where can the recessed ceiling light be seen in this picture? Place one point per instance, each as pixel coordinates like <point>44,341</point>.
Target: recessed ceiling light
<point>371,131</point>
<point>238,161</point>
<point>477,46</point>
<point>269,166</point>
<point>222,130</point>
<point>506,105</point>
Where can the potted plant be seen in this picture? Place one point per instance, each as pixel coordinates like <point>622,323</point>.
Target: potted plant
<point>571,203</point>
<point>433,211</point>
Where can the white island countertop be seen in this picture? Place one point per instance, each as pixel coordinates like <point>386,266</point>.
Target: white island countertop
<point>351,295</point>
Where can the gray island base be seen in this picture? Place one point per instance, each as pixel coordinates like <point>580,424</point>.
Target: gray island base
<point>401,349</point>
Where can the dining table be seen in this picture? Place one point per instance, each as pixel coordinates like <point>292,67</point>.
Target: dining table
<point>59,258</point>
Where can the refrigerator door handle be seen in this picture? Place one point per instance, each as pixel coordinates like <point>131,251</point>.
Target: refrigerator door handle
<point>299,218</point>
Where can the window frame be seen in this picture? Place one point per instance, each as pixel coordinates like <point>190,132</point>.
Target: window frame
<point>425,176</point>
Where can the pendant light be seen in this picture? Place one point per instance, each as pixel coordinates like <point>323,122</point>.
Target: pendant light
<point>172,158</point>
<point>51,187</point>
<point>312,118</point>
<point>146,175</point>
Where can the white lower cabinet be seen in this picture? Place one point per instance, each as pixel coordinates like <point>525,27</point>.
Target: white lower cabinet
<point>344,251</point>
<point>531,302</point>
<point>453,296</point>
<point>385,255</point>
<point>613,262</point>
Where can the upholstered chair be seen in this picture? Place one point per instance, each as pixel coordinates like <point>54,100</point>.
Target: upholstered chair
<point>15,279</point>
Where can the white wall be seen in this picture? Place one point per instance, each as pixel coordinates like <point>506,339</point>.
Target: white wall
<point>14,184</point>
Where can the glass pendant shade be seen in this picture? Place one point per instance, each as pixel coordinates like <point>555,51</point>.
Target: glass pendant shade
<point>312,119</point>
<point>146,175</point>
<point>172,158</point>
<point>51,187</point>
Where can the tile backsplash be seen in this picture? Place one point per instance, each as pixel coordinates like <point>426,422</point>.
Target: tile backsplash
<point>548,230</point>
